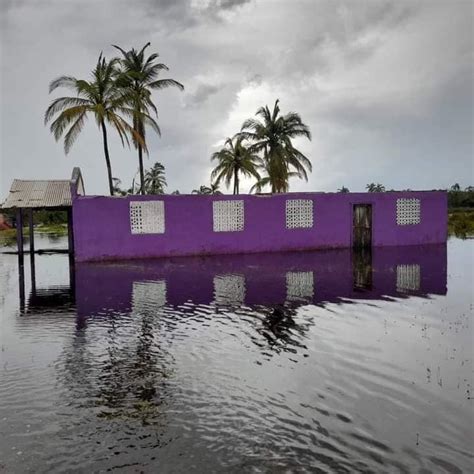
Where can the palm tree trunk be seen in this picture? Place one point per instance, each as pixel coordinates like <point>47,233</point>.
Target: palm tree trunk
<point>107,158</point>
<point>236,181</point>
<point>142,173</point>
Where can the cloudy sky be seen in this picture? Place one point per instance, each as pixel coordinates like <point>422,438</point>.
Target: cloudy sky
<point>385,86</point>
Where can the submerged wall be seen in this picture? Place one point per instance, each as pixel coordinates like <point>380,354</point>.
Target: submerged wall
<point>169,225</point>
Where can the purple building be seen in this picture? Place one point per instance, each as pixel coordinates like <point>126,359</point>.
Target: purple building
<point>109,228</point>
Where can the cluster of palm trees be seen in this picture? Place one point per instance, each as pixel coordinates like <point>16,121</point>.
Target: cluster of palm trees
<point>117,96</point>
<point>263,149</point>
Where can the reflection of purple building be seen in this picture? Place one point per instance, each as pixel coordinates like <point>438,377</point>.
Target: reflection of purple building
<point>262,279</point>
<point>165,226</point>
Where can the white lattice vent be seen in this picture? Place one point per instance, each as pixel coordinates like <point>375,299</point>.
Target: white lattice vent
<point>299,286</point>
<point>299,213</point>
<point>408,278</point>
<point>228,216</point>
<point>148,296</point>
<point>229,289</point>
<point>147,217</point>
<point>408,211</point>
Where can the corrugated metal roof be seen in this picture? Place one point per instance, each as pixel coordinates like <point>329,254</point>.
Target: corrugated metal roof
<point>35,194</point>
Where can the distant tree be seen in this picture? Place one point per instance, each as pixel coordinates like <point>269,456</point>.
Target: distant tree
<point>375,188</point>
<point>460,199</point>
<point>99,97</point>
<point>137,79</point>
<point>155,181</point>
<point>343,190</point>
<point>213,189</point>
<point>272,136</point>
<point>234,159</point>
<point>176,192</point>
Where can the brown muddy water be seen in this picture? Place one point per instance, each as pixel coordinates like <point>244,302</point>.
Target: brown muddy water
<point>302,362</point>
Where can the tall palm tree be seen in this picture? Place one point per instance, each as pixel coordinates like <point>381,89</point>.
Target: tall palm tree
<point>98,97</point>
<point>273,137</point>
<point>232,160</point>
<point>138,78</point>
<point>155,181</point>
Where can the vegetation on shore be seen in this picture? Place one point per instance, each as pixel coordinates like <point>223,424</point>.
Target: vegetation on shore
<point>461,223</point>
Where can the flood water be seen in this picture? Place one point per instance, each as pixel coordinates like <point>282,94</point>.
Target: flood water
<point>293,362</point>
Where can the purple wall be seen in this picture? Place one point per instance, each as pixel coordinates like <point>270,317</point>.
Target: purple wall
<point>102,225</point>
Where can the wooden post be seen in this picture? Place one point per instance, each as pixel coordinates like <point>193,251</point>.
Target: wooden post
<point>21,283</point>
<point>32,232</point>
<point>70,231</point>
<point>19,234</point>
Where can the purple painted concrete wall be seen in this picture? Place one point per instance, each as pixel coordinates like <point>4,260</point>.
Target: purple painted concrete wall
<point>102,225</point>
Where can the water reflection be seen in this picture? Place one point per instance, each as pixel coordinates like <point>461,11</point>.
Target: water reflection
<point>284,279</point>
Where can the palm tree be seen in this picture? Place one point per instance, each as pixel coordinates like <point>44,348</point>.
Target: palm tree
<point>117,189</point>
<point>155,181</point>
<point>213,189</point>
<point>232,160</point>
<point>272,136</point>
<point>98,97</point>
<point>455,187</point>
<point>138,78</point>
<point>343,190</point>
<point>375,188</point>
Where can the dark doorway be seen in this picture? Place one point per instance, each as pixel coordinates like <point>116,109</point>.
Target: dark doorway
<point>362,226</point>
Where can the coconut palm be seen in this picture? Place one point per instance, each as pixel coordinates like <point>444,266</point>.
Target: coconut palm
<point>234,159</point>
<point>375,188</point>
<point>138,78</point>
<point>213,189</point>
<point>155,181</point>
<point>273,136</point>
<point>343,190</point>
<point>98,97</point>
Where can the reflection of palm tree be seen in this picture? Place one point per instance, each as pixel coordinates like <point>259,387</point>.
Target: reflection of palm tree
<point>125,382</point>
<point>279,328</point>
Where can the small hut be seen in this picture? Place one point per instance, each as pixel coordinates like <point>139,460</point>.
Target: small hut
<point>26,196</point>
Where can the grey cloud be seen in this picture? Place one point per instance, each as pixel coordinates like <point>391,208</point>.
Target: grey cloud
<point>201,94</point>
<point>384,86</point>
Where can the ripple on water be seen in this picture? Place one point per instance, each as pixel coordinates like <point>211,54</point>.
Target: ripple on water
<point>236,365</point>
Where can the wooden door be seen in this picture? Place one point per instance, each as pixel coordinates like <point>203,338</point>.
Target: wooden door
<point>362,226</point>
